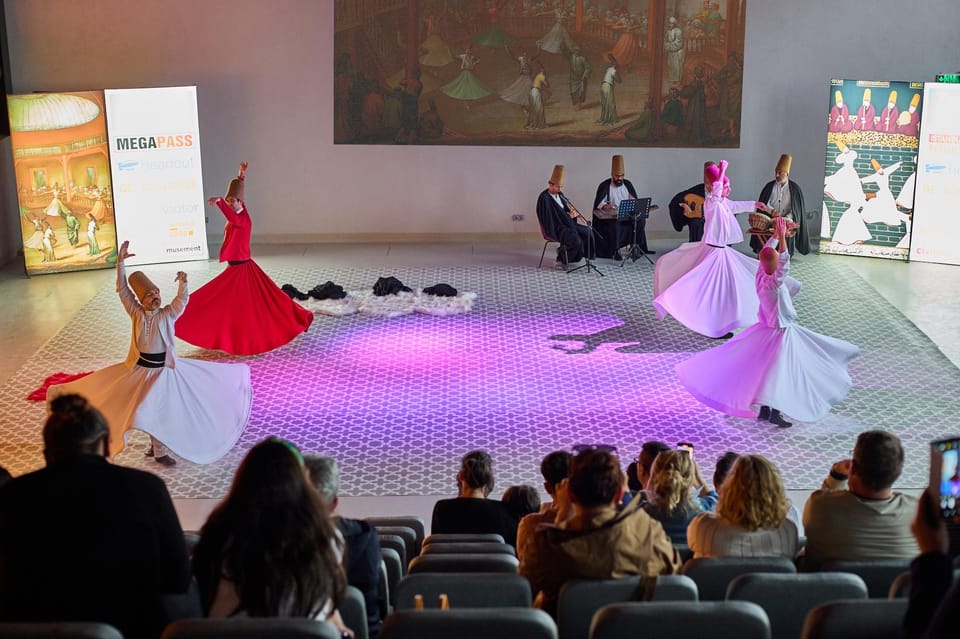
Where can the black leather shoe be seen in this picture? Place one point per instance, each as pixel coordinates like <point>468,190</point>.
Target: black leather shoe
<point>764,413</point>
<point>727,336</point>
<point>166,460</point>
<point>777,418</point>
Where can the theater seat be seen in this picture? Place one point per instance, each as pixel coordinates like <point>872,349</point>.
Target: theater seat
<point>251,628</point>
<point>396,543</point>
<point>788,598</point>
<point>395,571</point>
<point>409,521</point>
<point>73,630</point>
<point>580,599</point>
<point>407,534</point>
<point>465,548</point>
<point>713,574</point>
<point>353,611</point>
<point>449,538</point>
<point>878,575</point>
<point>474,590</point>
<point>464,563</point>
<point>681,620</point>
<point>477,623</point>
<point>869,619</point>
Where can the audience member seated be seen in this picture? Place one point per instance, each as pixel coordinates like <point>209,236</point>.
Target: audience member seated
<point>521,501</point>
<point>471,511</point>
<point>270,549</point>
<point>633,483</point>
<point>361,546</point>
<point>554,468</point>
<point>648,453</point>
<point>934,609</point>
<point>856,515</point>
<point>751,518</point>
<point>722,470</point>
<point>85,540</point>
<point>592,538</point>
<point>670,495</point>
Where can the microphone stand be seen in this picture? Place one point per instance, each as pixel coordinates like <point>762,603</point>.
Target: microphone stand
<point>587,262</point>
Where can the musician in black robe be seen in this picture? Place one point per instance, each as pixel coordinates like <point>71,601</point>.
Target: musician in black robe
<point>612,234</point>
<point>784,196</point>
<point>694,198</point>
<point>558,223</point>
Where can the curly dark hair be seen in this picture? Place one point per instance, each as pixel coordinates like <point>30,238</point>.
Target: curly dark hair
<point>272,538</point>
<point>74,427</point>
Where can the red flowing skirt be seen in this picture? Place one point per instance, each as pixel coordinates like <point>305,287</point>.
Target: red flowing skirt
<point>241,312</point>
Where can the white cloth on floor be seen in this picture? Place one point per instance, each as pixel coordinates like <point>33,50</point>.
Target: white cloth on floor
<point>776,362</point>
<point>197,409</point>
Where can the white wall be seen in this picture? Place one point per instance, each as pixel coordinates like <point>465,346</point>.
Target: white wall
<point>264,73</point>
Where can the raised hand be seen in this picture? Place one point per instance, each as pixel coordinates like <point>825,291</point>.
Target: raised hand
<point>781,226</point>
<point>181,277</point>
<point>243,169</point>
<point>212,201</point>
<point>124,251</point>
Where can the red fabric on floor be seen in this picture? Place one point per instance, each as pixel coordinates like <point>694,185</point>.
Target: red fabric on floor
<point>40,395</point>
<point>242,312</point>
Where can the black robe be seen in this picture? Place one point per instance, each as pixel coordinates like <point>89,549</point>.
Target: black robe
<point>800,241</point>
<point>557,225</point>
<point>614,233</point>
<point>679,220</point>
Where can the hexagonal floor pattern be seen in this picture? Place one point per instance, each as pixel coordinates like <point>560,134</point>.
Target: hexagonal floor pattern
<point>544,361</point>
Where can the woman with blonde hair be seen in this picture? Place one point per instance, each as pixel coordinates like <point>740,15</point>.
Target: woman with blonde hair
<point>670,495</point>
<point>751,518</point>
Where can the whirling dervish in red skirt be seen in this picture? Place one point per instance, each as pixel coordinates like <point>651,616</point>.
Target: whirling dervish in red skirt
<point>241,311</point>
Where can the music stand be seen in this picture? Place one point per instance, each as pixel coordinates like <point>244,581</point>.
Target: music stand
<point>635,210</point>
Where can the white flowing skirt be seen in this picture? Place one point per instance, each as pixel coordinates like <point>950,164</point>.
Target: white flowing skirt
<point>851,227</point>
<point>519,91</point>
<point>709,290</point>
<point>801,373</point>
<point>198,409</point>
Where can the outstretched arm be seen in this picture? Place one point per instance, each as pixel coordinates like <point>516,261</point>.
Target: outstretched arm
<point>225,209</point>
<point>179,303</point>
<point>127,298</point>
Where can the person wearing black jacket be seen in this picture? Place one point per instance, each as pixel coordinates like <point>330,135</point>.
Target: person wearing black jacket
<point>361,545</point>
<point>85,540</point>
<point>693,197</point>
<point>471,511</point>
<point>785,196</point>
<point>557,221</point>
<point>615,233</point>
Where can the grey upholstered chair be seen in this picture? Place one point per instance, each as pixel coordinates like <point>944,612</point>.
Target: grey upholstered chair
<point>474,547</point>
<point>255,628</point>
<point>452,538</point>
<point>78,630</point>
<point>408,534</point>
<point>464,563</point>
<point>788,598</point>
<point>681,620</point>
<point>395,572</point>
<point>878,575</point>
<point>713,574</point>
<point>476,623</point>
<point>869,619</point>
<point>580,599</point>
<point>474,590</point>
<point>353,611</point>
<point>398,545</point>
<point>409,521</point>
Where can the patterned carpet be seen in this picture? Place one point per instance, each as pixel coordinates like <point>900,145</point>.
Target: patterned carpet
<point>545,360</point>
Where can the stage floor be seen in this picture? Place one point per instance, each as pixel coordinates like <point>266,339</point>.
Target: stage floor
<point>545,360</point>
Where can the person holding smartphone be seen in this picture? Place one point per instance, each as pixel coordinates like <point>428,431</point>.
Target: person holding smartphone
<point>934,609</point>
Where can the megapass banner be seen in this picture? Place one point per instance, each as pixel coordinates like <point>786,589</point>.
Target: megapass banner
<point>154,142</point>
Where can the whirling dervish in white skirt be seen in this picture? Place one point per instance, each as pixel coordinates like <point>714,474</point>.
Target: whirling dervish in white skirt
<point>708,285</point>
<point>776,367</point>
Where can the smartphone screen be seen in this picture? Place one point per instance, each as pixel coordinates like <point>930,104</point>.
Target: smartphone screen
<point>945,476</point>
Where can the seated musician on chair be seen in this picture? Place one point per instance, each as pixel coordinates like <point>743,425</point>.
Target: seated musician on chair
<point>615,233</point>
<point>693,198</point>
<point>558,220</point>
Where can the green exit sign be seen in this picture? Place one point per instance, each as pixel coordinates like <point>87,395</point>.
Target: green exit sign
<point>950,78</point>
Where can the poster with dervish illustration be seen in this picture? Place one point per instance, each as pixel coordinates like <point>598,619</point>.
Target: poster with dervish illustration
<point>655,73</point>
<point>873,134</point>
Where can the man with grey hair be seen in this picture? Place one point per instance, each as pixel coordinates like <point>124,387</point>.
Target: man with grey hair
<point>361,546</point>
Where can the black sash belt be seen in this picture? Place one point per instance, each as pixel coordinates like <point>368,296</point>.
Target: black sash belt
<point>236,262</point>
<point>715,245</point>
<point>152,360</point>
